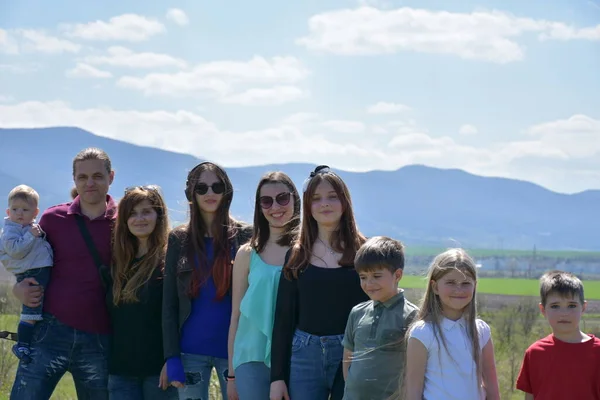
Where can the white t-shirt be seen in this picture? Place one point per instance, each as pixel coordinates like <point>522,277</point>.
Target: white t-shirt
<point>451,376</point>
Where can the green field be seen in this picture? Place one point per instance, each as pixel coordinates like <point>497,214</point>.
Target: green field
<point>505,286</point>
<point>478,253</point>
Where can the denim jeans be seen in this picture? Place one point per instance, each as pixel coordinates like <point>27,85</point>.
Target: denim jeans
<point>133,388</point>
<point>197,376</point>
<point>253,381</point>
<point>56,349</point>
<point>42,276</point>
<point>315,371</point>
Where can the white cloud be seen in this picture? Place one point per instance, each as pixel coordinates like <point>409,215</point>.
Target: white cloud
<point>387,108</point>
<point>481,35</point>
<point>300,138</point>
<point>36,40</point>
<point>6,99</point>
<point>468,129</point>
<point>575,137</point>
<point>344,126</point>
<point>126,27</point>
<point>177,16</point>
<point>82,70</point>
<point>31,40</point>
<point>266,96</point>
<point>224,78</point>
<point>119,56</point>
<point>8,44</point>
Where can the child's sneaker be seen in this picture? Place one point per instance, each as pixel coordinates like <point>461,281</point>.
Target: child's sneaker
<point>22,353</point>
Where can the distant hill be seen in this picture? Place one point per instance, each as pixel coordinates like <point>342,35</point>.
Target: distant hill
<point>420,205</point>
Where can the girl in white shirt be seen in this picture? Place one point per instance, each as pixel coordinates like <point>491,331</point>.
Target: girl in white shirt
<point>450,354</point>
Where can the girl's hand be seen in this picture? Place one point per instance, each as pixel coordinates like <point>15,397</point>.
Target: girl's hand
<point>232,393</point>
<point>163,381</point>
<point>279,391</point>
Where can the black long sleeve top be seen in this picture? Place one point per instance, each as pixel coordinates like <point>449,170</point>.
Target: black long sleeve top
<point>318,302</point>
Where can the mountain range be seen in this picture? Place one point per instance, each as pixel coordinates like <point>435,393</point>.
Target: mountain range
<point>420,205</point>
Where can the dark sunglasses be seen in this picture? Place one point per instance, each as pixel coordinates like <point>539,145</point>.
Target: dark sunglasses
<point>153,188</point>
<point>202,188</point>
<point>283,199</point>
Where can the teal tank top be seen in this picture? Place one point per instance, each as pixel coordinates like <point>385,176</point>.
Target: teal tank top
<point>257,313</point>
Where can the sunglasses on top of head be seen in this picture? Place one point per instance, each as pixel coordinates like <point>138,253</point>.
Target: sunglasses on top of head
<point>153,188</point>
<point>283,199</point>
<point>217,188</point>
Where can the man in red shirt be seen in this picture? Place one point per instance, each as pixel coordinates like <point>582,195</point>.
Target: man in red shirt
<point>73,335</point>
<point>565,364</point>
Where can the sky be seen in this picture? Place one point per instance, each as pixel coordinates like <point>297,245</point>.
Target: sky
<point>506,88</point>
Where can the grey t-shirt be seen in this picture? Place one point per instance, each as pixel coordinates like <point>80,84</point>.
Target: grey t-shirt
<point>375,334</point>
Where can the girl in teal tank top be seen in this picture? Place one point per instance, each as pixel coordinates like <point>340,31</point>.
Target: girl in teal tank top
<point>256,273</point>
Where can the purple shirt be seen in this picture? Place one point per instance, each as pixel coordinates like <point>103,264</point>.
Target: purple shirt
<point>75,295</point>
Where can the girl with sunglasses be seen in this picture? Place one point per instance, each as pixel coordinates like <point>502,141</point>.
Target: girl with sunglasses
<point>317,290</point>
<point>197,291</point>
<point>134,297</point>
<point>256,274</point>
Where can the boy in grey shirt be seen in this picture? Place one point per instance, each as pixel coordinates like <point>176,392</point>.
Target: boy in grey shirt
<point>25,253</point>
<point>374,338</point>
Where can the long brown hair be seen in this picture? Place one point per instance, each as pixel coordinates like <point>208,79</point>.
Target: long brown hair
<point>261,231</point>
<point>223,230</point>
<point>129,276</point>
<point>346,239</point>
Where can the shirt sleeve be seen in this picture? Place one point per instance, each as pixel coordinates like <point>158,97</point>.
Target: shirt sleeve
<point>423,333</point>
<point>523,380</point>
<point>348,341</point>
<point>16,244</point>
<point>170,305</point>
<point>284,326</point>
<point>484,331</point>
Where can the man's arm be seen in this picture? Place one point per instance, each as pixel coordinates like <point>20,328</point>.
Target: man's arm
<point>28,292</point>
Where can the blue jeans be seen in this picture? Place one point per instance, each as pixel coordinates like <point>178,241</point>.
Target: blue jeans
<point>133,388</point>
<point>56,349</point>
<point>197,376</point>
<point>253,381</point>
<point>42,276</point>
<point>315,370</point>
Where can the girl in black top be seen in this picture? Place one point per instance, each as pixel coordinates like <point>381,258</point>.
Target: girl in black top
<point>134,297</point>
<point>317,290</point>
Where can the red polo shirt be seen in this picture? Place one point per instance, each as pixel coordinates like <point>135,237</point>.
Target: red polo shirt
<point>75,295</point>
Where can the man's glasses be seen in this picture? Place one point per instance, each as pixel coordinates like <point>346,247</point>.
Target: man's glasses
<point>283,199</point>
<point>153,188</point>
<point>202,188</point>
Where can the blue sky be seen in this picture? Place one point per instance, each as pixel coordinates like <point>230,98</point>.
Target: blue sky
<point>498,88</point>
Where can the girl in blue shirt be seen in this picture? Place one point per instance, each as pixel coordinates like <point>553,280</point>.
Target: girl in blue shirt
<point>197,288</point>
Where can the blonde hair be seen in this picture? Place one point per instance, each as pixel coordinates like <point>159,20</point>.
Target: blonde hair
<point>24,192</point>
<point>431,306</point>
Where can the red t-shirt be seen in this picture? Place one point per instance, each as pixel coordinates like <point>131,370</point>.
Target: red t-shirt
<point>553,369</point>
<point>75,295</point>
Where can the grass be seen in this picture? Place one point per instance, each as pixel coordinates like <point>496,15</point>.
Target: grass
<point>504,286</point>
<point>479,253</point>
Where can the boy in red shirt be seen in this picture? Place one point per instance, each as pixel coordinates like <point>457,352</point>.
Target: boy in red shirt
<point>565,364</point>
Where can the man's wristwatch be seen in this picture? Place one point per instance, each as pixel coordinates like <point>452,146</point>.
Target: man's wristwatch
<point>228,377</point>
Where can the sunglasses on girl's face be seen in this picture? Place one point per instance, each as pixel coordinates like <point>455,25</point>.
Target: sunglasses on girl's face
<point>283,199</point>
<point>217,188</point>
